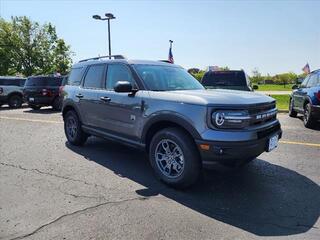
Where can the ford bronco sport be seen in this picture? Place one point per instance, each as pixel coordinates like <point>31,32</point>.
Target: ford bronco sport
<point>161,108</point>
<point>11,91</point>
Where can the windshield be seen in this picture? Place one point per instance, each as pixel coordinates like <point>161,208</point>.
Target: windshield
<point>167,78</point>
<point>44,81</point>
<point>214,79</point>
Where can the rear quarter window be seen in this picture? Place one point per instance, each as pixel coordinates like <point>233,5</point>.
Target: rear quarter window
<point>75,76</point>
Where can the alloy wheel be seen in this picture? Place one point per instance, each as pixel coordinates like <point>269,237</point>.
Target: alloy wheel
<point>169,158</point>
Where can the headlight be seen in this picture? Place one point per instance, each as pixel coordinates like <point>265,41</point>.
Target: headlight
<point>230,119</point>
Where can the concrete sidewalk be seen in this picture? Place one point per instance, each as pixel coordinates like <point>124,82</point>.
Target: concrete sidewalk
<point>275,92</point>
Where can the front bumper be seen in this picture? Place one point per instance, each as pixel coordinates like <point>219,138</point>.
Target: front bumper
<point>237,152</point>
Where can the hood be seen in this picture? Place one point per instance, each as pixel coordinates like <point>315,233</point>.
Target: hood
<point>214,97</point>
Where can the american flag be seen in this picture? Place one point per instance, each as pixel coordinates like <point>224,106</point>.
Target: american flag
<point>170,56</point>
<point>306,68</point>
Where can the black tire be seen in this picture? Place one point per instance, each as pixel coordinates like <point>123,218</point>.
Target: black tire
<point>15,101</point>
<point>56,105</point>
<point>75,136</point>
<point>292,112</point>
<point>191,163</point>
<point>308,119</point>
<point>35,107</point>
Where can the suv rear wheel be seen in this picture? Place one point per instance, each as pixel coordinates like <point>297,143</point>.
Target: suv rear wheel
<point>73,130</point>
<point>308,119</point>
<point>56,105</point>
<point>15,101</point>
<point>174,157</point>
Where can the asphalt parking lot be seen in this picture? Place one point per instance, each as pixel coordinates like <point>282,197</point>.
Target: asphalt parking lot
<point>50,190</point>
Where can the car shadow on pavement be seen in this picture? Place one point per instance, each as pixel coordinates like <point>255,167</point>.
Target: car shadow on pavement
<point>6,108</point>
<point>42,111</point>
<point>316,127</point>
<point>262,198</point>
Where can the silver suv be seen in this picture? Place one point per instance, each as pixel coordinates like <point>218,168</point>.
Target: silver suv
<point>160,108</point>
<point>11,91</point>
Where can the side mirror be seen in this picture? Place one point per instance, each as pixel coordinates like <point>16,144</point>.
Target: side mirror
<point>295,87</point>
<point>123,87</point>
<point>255,87</point>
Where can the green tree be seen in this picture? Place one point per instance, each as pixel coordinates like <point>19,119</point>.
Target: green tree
<point>30,48</point>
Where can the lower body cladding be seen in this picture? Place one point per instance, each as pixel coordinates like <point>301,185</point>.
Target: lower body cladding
<point>234,152</point>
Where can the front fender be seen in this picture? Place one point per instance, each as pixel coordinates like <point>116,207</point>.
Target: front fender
<point>172,117</point>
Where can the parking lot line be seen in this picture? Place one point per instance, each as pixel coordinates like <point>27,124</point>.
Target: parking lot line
<point>301,143</point>
<point>30,120</point>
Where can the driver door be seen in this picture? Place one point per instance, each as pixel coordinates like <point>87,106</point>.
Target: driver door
<point>121,112</point>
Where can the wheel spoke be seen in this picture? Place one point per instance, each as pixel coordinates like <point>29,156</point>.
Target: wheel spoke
<point>166,147</point>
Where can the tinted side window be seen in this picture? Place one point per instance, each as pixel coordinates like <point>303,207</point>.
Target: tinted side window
<point>9,82</point>
<point>94,76</point>
<point>75,76</point>
<point>43,81</point>
<point>228,78</point>
<point>117,72</point>
<point>312,81</point>
<point>53,82</point>
<point>22,82</point>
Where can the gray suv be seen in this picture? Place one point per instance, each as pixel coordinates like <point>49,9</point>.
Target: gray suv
<point>11,91</point>
<point>160,108</point>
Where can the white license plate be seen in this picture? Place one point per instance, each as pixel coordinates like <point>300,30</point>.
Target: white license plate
<point>31,99</point>
<point>273,142</point>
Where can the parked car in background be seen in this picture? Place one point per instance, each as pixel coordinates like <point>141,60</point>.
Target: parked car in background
<point>231,79</point>
<point>40,91</point>
<point>11,91</point>
<point>305,99</point>
<point>161,109</point>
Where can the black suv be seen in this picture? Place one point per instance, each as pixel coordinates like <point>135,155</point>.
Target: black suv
<point>160,108</point>
<point>40,91</point>
<point>231,79</point>
<point>11,91</point>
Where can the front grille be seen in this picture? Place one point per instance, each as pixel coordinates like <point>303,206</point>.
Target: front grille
<point>261,108</point>
<point>262,113</point>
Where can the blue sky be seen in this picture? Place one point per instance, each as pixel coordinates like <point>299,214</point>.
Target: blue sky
<point>273,36</point>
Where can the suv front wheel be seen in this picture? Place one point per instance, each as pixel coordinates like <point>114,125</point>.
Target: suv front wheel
<point>308,119</point>
<point>175,158</point>
<point>73,130</point>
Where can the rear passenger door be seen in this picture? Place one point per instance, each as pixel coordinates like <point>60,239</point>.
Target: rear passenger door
<point>121,113</point>
<point>87,93</point>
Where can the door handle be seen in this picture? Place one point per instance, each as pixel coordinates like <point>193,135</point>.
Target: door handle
<point>79,95</point>
<point>105,99</point>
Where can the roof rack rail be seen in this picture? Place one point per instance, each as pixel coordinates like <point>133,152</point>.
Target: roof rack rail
<point>97,58</point>
<point>166,61</point>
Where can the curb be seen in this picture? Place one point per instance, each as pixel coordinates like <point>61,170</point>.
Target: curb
<point>283,111</point>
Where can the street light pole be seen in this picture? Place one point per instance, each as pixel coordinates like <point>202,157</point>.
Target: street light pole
<point>108,17</point>
<point>109,39</point>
